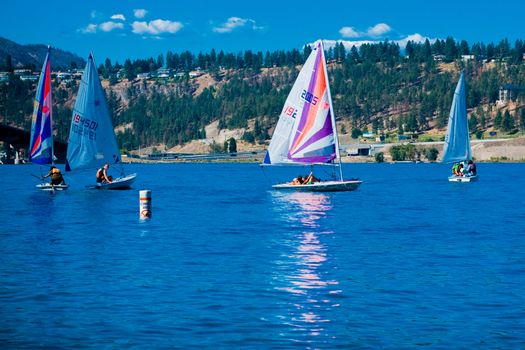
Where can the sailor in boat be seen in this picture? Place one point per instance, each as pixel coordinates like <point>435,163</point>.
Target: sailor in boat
<point>297,181</point>
<point>308,180</point>
<point>56,176</point>
<point>470,169</point>
<point>457,169</point>
<point>102,175</point>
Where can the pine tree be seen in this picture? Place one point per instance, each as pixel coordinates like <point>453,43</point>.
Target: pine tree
<point>128,68</point>
<point>497,120</point>
<point>507,123</point>
<point>232,147</point>
<point>450,49</point>
<point>473,123</point>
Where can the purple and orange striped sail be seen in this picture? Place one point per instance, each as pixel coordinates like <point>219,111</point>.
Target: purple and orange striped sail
<point>41,142</point>
<point>305,131</point>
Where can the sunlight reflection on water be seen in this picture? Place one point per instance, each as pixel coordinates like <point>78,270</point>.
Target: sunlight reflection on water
<point>303,276</point>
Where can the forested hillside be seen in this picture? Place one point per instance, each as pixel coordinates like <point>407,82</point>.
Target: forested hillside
<point>375,88</point>
<point>13,55</point>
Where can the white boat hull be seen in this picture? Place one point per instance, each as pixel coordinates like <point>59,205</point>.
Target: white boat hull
<point>455,178</point>
<point>49,187</point>
<point>121,183</point>
<point>323,186</point>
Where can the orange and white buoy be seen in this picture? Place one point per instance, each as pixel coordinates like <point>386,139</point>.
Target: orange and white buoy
<point>145,204</point>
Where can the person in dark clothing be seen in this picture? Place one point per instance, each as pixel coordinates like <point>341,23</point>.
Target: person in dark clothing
<point>56,176</point>
<point>102,175</point>
<point>470,169</point>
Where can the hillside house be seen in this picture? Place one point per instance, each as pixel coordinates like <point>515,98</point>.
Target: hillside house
<point>22,71</point>
<point>164,73</point>
<point>509,92</point>
<point>29,77</point>
<point>143,76</point>
<point>64,75</point>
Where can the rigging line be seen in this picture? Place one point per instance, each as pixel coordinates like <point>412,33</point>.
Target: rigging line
<point>329,172</point>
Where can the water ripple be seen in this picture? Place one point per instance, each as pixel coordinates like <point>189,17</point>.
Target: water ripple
<point>408,260</point>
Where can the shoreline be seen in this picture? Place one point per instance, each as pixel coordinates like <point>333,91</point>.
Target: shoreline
<point>367,160</point>
<point>483,151</point>
<point>510,150</point>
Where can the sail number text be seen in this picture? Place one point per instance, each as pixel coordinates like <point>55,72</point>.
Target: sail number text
<point>309,97</point>
<point>290,111</point>
<point>85,127</point>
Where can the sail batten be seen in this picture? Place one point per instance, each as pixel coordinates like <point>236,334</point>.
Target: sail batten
<point>91,137</point>
<point>457,140</point>
<point>41,139</point>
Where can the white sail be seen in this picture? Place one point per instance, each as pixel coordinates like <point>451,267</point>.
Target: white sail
<point>457,140</point>
<point>305,132</point>
<point>91,137</point>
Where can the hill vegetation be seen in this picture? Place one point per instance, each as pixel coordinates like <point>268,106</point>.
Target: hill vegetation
<point>13,55</point>
<point>376,88</point>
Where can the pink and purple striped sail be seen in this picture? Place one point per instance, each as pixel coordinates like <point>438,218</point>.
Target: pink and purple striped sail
<point>305,131</point>
<point>41,142</point>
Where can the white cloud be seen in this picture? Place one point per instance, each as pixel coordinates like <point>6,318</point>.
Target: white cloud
<point>155,27</point>
<point>417,38</point>
<point>236,22</point>
<point>349,32</point>
<point>140,13</point>
<point>379,29</point>
<point>105,27</point>
<point>118,16</point>
<point>375,31</point>
<point>93,14</point>
<point>110,25</point>
<point>91,28</point>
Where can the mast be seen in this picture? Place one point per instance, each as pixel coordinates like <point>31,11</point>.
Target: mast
<point>51,107</point>
<point>332,112</point>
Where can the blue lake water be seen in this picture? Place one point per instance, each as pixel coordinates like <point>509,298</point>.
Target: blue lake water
<point>406,261</point>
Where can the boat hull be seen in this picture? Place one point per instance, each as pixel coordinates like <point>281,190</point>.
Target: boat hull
<point>324,186</point>
<point>454,178</point>
<point>121,183</point>
<point>49,187</point>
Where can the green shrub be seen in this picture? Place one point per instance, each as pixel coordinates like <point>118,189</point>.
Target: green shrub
<point>431,154</point>
<point>403,152</point>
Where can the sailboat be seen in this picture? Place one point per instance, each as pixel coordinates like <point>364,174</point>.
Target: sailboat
<point>306,133</point>
<point>41,141</point>
<point>91,136</point>
<point>457,140</point>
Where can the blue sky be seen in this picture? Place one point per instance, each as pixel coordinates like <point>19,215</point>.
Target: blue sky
<point>119,29</point>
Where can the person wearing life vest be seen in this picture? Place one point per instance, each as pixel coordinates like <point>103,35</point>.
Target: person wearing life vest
<point>455,169</point>
<point>470,170</point>
<point>56,176</point>
<point>102,175</point>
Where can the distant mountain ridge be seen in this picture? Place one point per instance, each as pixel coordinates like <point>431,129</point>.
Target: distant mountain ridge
<point>25,55</point>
